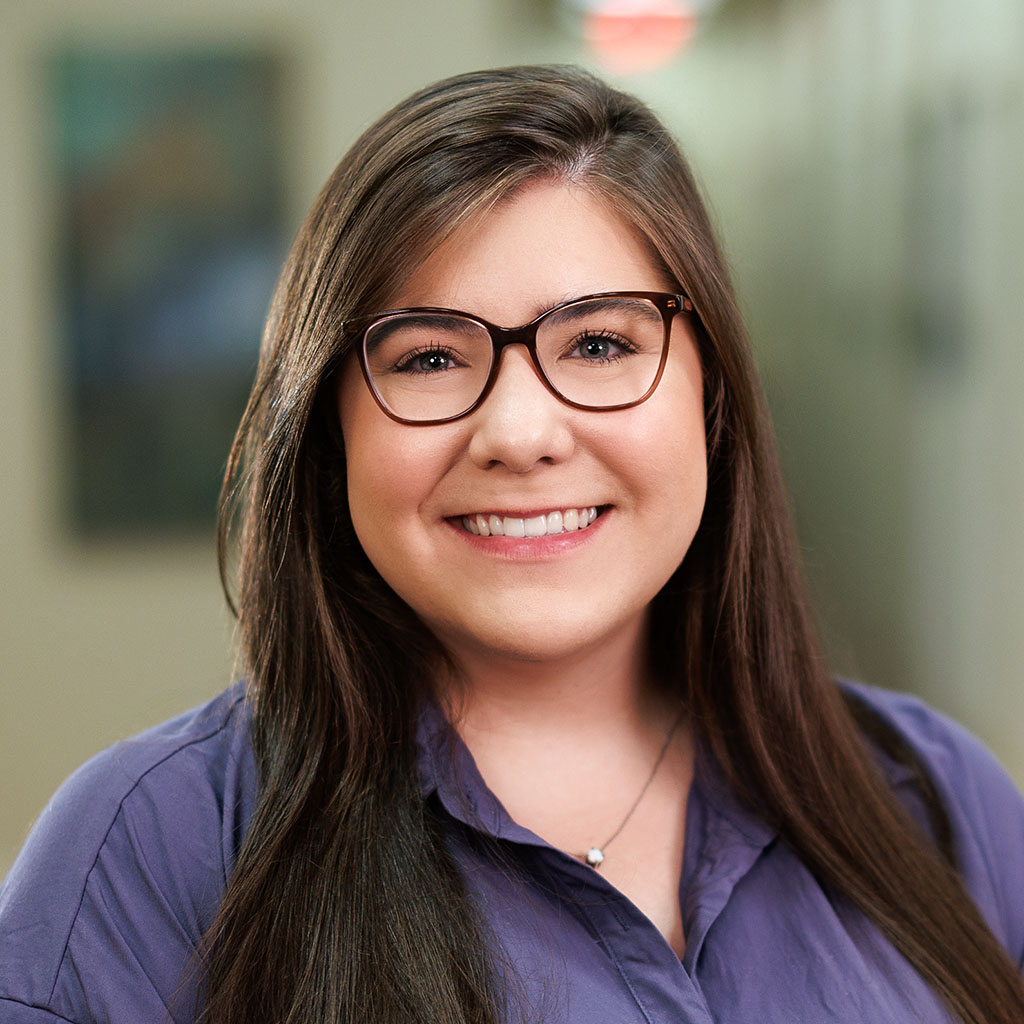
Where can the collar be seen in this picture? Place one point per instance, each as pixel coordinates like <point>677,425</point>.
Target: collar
<point>447,769</point>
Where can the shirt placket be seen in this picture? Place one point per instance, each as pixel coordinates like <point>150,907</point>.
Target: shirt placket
<point>722,845</point>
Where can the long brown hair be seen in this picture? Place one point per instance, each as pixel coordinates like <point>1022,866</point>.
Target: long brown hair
<point>343,869</point>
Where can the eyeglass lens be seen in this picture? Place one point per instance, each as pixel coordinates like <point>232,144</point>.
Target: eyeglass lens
<point>598,352</point>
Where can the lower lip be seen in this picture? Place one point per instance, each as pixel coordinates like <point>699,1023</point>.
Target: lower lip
<point>527,549</point>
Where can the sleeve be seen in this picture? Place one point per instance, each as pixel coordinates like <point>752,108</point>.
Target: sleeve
<point>103,911</point>
<point>985,807</point>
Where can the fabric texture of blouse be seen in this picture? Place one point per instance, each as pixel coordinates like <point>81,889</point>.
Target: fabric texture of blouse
<point>102,911</point>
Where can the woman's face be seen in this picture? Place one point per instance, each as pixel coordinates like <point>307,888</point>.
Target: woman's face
<point>523,452</point>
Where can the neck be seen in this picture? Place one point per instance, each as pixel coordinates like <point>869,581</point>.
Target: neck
<point>588,754</point>
<point>582,694</point>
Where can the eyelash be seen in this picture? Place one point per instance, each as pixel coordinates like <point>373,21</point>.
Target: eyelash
<point>410,357</point>
<point>624,344</point>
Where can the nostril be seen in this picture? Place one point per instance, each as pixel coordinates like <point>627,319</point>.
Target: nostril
<point>520,434</point>
<point>520,423</point>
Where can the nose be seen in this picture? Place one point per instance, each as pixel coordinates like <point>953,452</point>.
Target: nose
<point>521,423</point>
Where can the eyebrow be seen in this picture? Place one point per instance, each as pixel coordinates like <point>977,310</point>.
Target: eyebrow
<point>541,308</point>
<point>440,321</point>
<point>618,302</point>
<point>449,319</point>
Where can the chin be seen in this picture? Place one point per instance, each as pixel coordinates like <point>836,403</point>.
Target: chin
<point>543,638</point>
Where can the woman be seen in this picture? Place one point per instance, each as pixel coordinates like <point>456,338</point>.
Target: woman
<point>538,728</point>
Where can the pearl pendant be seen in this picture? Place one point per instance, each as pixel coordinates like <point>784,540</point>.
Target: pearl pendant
<point>594,857</point>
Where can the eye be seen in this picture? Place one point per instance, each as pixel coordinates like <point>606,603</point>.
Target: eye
<point>427,361</point>
<point>599,347</point>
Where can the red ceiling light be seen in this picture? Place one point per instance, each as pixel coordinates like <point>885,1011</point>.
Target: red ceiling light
<point>632,36</point>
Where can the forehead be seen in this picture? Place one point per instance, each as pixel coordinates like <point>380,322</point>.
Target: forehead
<point>549,242</point>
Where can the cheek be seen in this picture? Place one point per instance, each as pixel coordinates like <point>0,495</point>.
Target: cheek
<point>382,495</point>
<point>373,455</point>
<point>671,469</point>
<point>392,474</point>
<point>669,446</point>
<point>369,474</point>
<point>375,487</point>
<point>387,486</point>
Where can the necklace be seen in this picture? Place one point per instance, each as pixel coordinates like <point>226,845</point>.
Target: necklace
<point>595,855</point>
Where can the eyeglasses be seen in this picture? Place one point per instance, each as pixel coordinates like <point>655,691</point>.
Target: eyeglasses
<point>598,352</point>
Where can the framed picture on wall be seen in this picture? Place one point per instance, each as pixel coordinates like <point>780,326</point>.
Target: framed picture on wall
<point>170,234</point>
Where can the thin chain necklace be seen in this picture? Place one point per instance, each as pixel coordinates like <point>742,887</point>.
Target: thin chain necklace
<point>595,855</point>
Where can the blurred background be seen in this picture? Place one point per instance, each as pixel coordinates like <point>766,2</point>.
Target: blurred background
<point>864,160</point>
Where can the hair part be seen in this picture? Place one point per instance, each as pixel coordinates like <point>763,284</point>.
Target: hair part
<point>336,659</point>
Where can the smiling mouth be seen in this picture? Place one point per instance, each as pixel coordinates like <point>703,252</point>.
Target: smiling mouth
<point>547,524</point>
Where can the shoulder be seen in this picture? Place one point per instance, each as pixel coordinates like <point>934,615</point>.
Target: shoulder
<point>985,807</point>
<point>124,870</point>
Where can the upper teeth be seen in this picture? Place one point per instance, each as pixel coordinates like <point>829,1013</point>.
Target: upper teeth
<point>559,521</point>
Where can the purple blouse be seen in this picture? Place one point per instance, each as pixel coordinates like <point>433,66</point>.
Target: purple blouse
<point>101,912</point>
